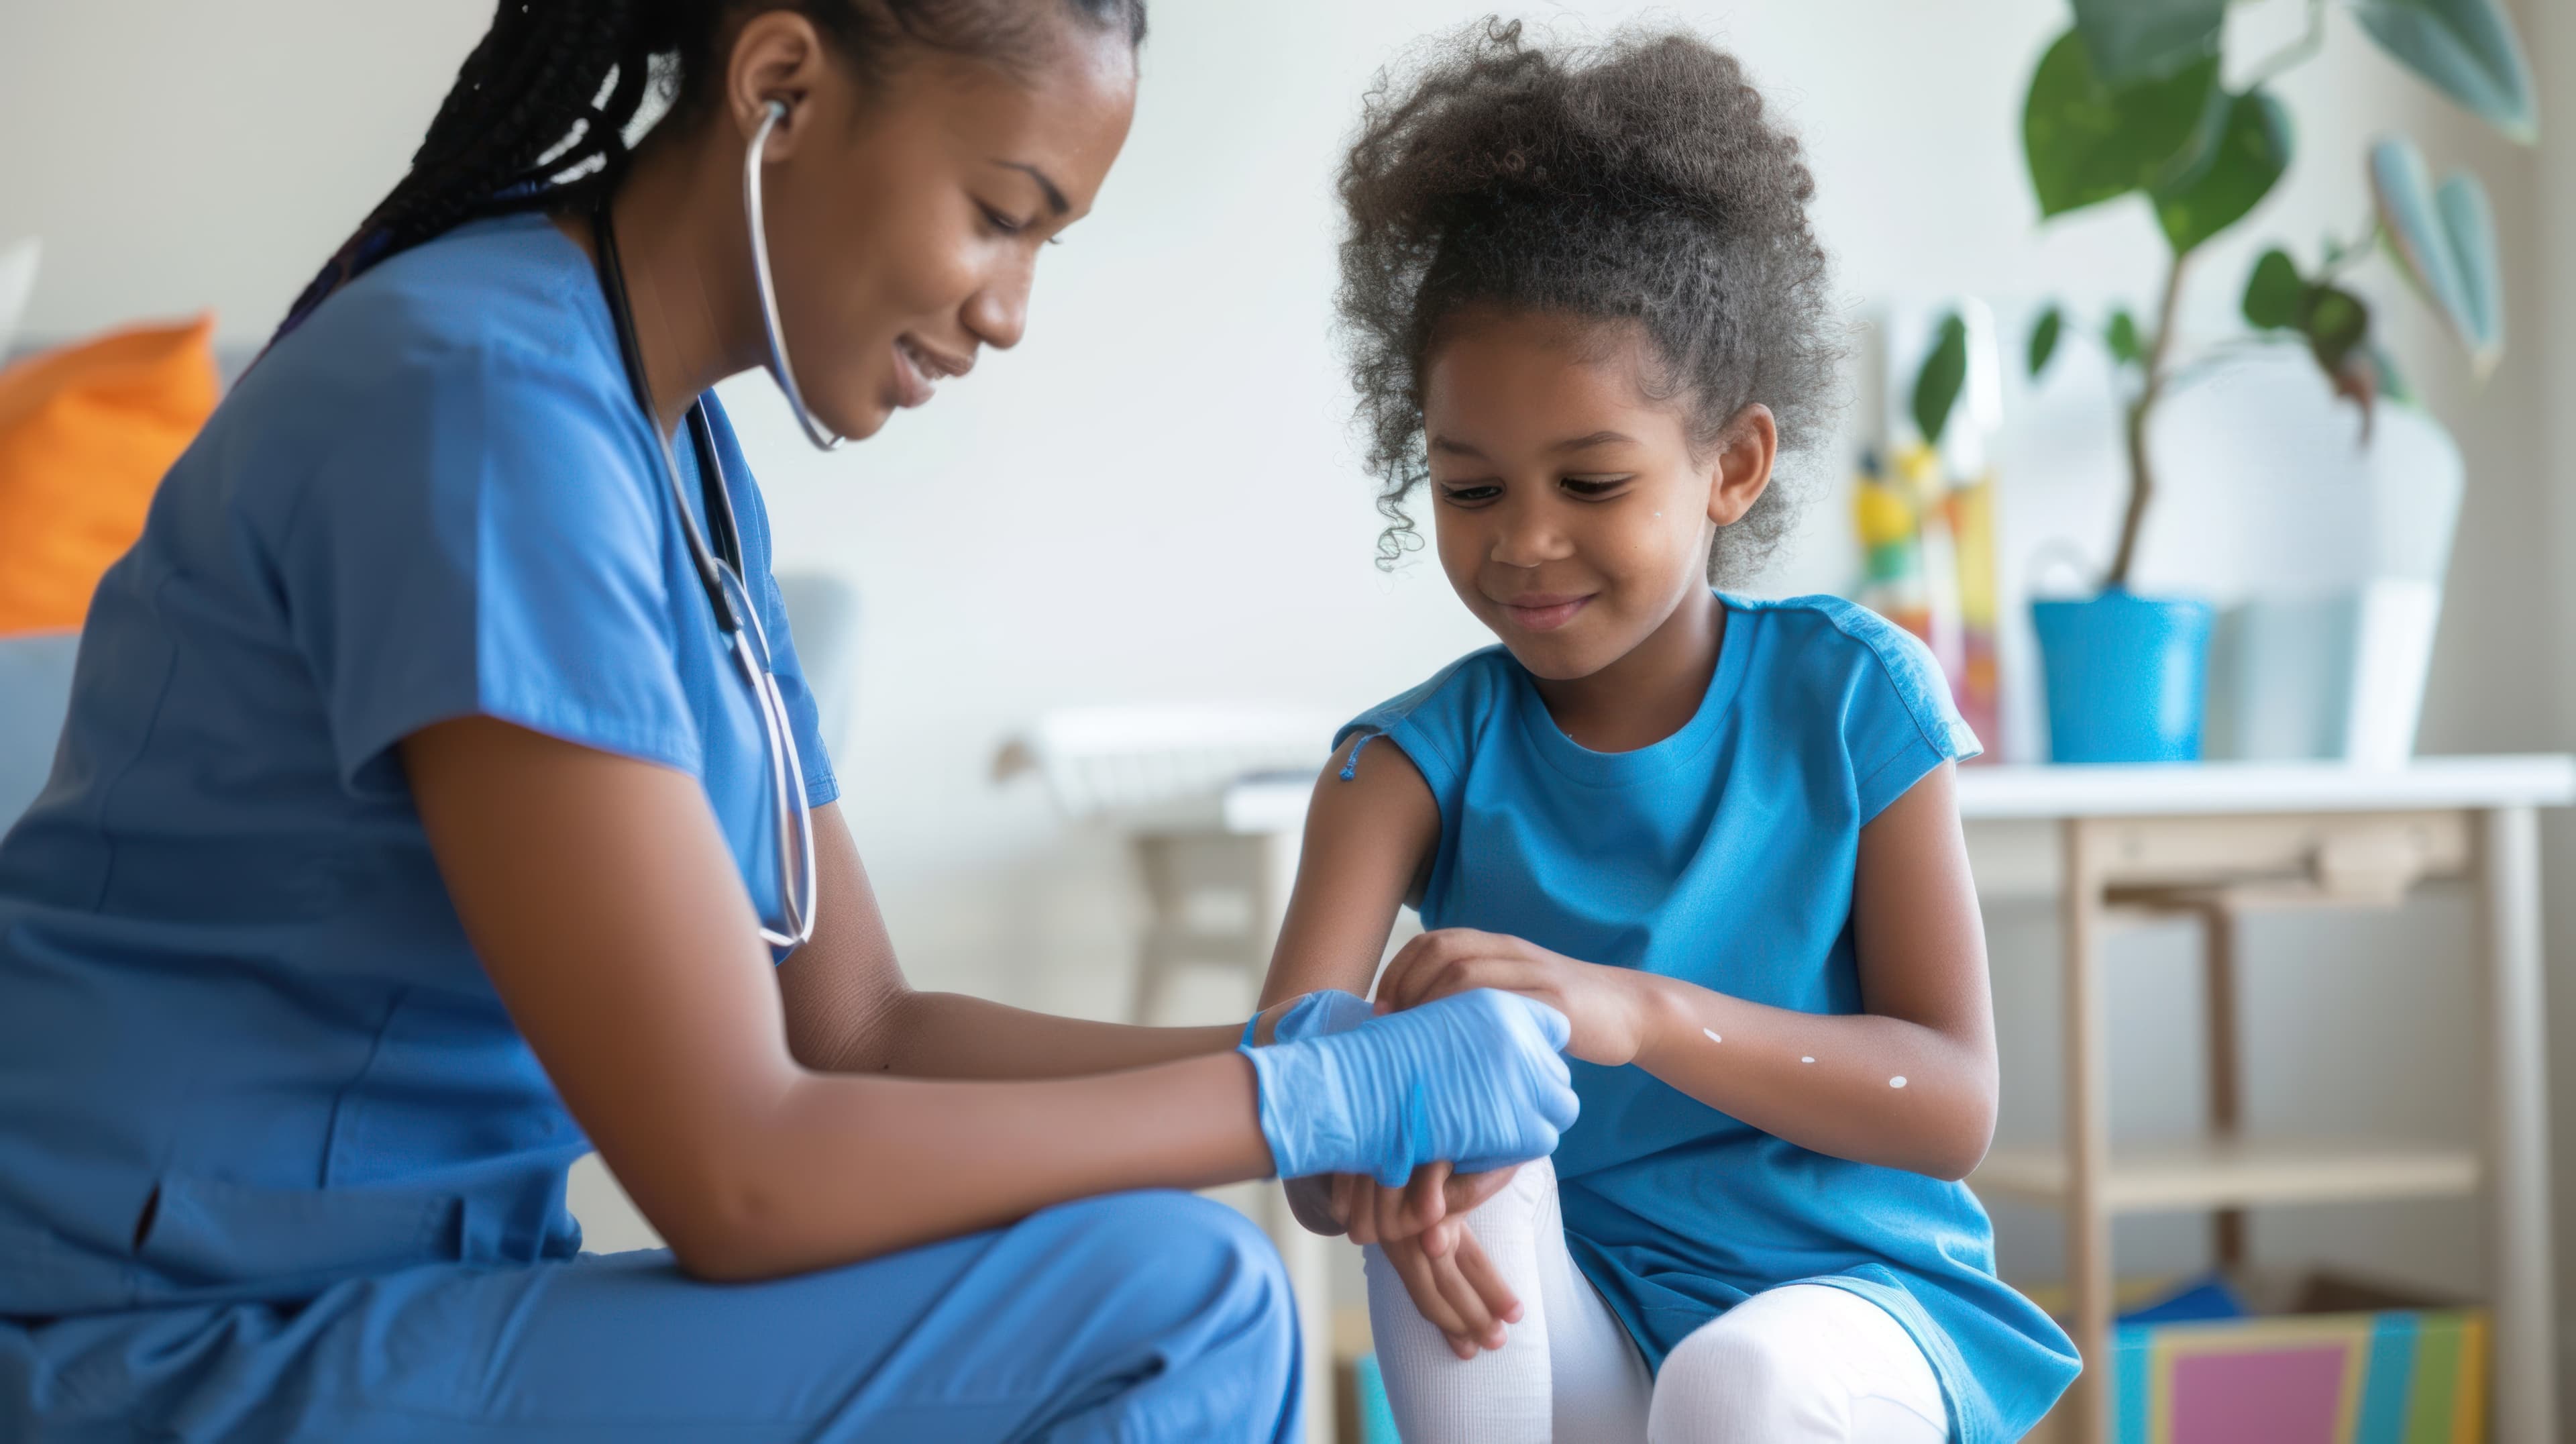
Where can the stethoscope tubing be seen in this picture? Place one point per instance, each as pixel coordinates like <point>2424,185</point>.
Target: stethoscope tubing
<point>740,625</point>
<point>824,438</point>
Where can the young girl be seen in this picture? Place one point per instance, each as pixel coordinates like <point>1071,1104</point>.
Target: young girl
<point>1718,834</point>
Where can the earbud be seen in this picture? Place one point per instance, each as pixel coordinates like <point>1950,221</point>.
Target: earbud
<point>777,110</point>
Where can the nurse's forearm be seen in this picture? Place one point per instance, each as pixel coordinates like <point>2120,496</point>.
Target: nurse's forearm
<point>844,1168</point>
<point>952,1035</point>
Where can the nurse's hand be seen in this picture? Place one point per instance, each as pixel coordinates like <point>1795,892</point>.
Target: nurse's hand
<point>1606,1008</point>
<point>1475,1078</point>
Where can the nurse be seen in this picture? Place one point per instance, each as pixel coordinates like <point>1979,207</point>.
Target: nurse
<point>440,798</point>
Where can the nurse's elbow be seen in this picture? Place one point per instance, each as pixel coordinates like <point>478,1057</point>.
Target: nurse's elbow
<point>721,1217</point>
<point>729,1234</point>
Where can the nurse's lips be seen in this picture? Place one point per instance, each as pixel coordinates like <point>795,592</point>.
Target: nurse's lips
<point>1545,611</point>
<point>918,369</point>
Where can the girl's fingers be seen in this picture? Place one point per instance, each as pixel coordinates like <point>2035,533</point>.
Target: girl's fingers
<point>1426,1198</point>
<point>1481,1329</point>
<point>1389,1205</point>
<point>1480,1275</point>
<point>1441,1237</point>
<point>1433,1304</point>
<point>1363,1220</point>
<point>1468,1191</point>
<point>1430,951</point>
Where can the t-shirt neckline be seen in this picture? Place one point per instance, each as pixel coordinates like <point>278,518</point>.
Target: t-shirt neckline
<point>1655,759</point>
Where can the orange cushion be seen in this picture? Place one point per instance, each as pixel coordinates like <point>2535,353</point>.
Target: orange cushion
<point>85,434</point>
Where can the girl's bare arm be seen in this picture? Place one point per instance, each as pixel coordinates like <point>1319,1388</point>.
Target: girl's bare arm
<point>1368,842</point>
<point>1910,1082</point>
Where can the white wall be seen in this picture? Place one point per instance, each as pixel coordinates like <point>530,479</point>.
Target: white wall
<point>1156,497</point>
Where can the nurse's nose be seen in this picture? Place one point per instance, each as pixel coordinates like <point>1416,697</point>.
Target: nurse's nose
<point>998,312</point>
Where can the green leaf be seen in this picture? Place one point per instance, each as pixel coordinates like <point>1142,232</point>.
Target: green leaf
<point>2445,241</point>
<point>2335,321</point>
<point>2133,40</point>
<point>2086,142</point>
<point>2253,149</point>
<point>2043,338</point>
<point>2122,337</point>
<point>2275,292</point>
<point>2392,382</point>
<point>1937,383</point>
<point>2467,49</point>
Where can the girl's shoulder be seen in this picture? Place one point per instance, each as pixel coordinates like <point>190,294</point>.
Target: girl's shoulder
<point>1826,666</point>
<point>1437,721</point>
<point>1831,638</point>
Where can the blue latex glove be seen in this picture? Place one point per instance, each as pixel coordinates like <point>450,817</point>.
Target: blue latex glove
<point>1318,1014</point>
<point>1474,1078</point>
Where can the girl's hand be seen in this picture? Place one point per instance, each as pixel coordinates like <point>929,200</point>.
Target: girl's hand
<point>1455,1286</point>
<point>1421,1227</point>
<point>1371,1213</point>
<point>1606,1006</point>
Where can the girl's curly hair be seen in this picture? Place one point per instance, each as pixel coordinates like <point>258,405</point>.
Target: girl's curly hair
<point>1634,182</point>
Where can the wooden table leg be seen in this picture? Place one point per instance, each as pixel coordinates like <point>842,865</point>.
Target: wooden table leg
<point>2518,1251</point>
<point>2088,1134</point>
<point>2226,1089</point>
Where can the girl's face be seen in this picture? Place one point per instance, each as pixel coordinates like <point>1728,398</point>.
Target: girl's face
<point>1571,513</point>
<point>905,222</point>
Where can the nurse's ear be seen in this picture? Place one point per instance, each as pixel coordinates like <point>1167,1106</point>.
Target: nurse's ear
<point>779,58</point>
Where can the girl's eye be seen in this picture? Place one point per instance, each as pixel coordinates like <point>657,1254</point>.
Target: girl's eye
<point>1594,488</point>
<point>1472,494</point>
<point>1001,222</point>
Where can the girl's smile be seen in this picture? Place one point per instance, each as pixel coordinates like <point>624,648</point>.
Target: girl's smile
<point>1553,469</point>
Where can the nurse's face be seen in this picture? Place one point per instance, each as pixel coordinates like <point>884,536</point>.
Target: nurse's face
<point>905,224</point>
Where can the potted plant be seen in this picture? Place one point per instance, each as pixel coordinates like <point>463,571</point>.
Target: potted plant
<point>2132,101</point>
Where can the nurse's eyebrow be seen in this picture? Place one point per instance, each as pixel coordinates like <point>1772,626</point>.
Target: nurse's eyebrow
<point>1054,198</point>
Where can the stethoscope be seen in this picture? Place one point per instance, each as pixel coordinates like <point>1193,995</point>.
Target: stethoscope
<point>720,569</point>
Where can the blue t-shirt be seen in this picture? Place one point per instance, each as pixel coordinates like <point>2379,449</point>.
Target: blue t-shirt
<point>1724,855</point>
<point>245,1049</point>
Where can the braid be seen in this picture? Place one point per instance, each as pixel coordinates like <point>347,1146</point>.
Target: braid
<point>527,126</point>
<point>520,116</point>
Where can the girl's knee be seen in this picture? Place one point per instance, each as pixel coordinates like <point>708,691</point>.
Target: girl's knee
<point>1732,1382</point>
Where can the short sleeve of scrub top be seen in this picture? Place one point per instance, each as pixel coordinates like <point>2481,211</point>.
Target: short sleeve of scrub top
<point>465,551</point>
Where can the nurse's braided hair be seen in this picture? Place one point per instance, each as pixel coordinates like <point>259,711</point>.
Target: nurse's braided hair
<point>538,116</point>
<point>1640,182</point>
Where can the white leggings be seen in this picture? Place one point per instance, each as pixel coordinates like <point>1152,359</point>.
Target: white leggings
<point>1801,1364</point>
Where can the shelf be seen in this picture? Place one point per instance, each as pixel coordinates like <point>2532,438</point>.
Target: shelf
<point>2239,1173</point>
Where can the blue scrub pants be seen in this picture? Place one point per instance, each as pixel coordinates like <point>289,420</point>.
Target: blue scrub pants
<point>1146,1316</point>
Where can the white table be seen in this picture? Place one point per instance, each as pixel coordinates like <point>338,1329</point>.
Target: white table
<point>2212,841</point>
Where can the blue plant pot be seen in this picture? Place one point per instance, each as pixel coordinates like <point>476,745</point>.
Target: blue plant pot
<point>2126,676</point>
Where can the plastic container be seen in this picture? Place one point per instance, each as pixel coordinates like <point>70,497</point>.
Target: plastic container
<point>2126,676</point>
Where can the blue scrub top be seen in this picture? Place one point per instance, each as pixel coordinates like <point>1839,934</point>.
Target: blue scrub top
<point>1724,855</point>
<point>245,1049</point>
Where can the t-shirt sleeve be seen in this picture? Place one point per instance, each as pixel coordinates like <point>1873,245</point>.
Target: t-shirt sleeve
<point>484,541</point>
<point>1435,724</point>
<point>1898,721</point>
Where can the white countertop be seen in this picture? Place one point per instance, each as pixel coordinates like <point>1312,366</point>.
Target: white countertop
<point>2011,793</point>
